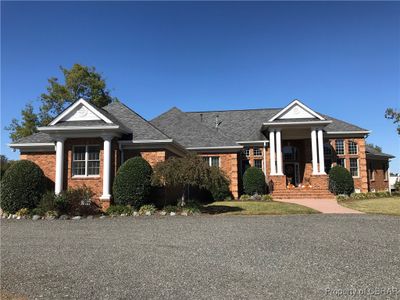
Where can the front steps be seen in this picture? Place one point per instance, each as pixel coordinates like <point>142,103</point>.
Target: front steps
<point>302,194</point>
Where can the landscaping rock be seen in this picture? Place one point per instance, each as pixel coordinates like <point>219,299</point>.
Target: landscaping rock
<point>64,217</point>
<point>172,213</point>
<point>9,217</point>
<point>124,215</point>
<point>76,218</point>
<point>102,217</point>
<point>19,217</point>
<point>163,213</point>
<point>184,213</point>
<point>36,217</point>
<point>50,218</point>
<point>148,213</point>
<point>135,214</point>
<point>90,217</point>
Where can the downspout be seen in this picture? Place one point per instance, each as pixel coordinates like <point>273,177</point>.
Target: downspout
<point>122,154</point>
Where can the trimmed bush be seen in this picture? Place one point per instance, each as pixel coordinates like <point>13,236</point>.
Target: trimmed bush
<point>340,181</point>
<point>244,197</point>
<point>132,184</point>
<point>254,181</point>
<point>22,186</point>
<point>219,185</point>
<point>117,210</point>
<point>266,198</point>
<point>148,208</point>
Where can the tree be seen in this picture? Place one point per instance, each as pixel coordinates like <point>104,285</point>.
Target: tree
<point>78,82</point>
<point>376,147</point>
<point>185,172</point>
<point>5,163</point>
<point>26,127</point>
<point>393,114</point>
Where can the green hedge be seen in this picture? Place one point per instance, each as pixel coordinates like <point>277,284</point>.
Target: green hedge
<point>254,181</point>
<point>22,186</point>
<point>132,184</point>
<point>340,181</point>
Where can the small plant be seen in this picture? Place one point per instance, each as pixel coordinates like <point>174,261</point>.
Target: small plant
<point>170,208</point>
<point>342,197</point>
<point>23,212</point>
<point>37,211</point>
<point>245,197</point>
<point>397,186</point>
<point>51,213</point>
<point>117,210</point>
<point>147,209</point>
<point>266,198</point>
<point>191,208</point>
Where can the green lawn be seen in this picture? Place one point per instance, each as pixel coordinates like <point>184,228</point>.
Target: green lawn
<point>256,208</point>
<point>387,206</point>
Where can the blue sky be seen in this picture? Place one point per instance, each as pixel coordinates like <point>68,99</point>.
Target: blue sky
<point>340,58</point>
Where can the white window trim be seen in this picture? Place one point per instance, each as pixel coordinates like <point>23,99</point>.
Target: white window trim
<point>344,160</point>
<point>356,148</point>
<point>358,167</point>
<point>344,147</point>
<point>86,161</point>
<point>257,155</point>
<point>372,174</point>
<point>210,160</point>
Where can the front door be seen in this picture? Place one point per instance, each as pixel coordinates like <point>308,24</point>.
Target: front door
<point>292,173</point>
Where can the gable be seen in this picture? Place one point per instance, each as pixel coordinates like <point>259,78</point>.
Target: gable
<point>296,110</point>
<point>81,110</point>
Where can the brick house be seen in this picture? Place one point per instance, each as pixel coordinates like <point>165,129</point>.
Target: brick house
<point>294,146</point>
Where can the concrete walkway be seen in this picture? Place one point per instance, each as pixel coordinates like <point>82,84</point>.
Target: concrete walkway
<point>326,206</point>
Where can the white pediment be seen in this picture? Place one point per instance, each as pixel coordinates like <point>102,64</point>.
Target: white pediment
<point>81,113</point>
<point>297,112</point>
<point>81,110</point>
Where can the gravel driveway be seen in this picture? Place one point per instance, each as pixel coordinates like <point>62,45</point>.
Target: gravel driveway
<point>204,257</point>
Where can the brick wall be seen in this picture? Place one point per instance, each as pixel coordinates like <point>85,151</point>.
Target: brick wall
<point>151,156</point>
<point>379,168</point>
<point>361,181</point>
<point>228,164</point>
<point>45,160</point>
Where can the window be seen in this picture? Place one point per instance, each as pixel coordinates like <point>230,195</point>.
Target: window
<point>86,160</point>
<point>289,153</point>
<point>247,152</point>
<point>212,161</point>
<point>328,165</point>
<point>341,162</point>
<point>354,167</point>
<point>353,148</point>
<point>258,163</point>
<point>339,147</point>
<point>257,152</point>
<point>371,172</point>
<point>385,170</point>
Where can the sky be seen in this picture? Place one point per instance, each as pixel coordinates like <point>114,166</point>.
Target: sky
<point>339,58</point>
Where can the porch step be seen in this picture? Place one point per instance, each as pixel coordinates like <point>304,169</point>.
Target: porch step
<point>302,194</point>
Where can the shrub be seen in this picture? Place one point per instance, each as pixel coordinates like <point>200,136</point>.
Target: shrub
<point>245,197</point>
<point>37,211</point>
<point>254,181</point>
<point>340,181</point>
<point>117,210</point>
<point>22,212</point>
<point>342,197</point>
<point>22,186</point>
<point>266,198</point>
<point>148,208</point>
<point>77,201</point>
<point>51,213</point>
<point>219,184</point>
<point>132,184</point>
<point>48,201</point>
<point>170,208</point>
<point>191,208</point>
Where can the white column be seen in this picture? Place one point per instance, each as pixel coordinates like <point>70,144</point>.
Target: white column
<point>265,159</point>
<point>272,152</point>
<point>314,151</point>
<point>106,168</point>
<point>59,166</point>
<point>321,152</point>
<point>279,152</point>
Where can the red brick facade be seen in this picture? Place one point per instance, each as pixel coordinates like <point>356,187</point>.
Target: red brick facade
<point>378,175</point>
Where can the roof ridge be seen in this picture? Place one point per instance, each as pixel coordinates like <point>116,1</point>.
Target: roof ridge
<point>135,113</point>
<point>224,110</point>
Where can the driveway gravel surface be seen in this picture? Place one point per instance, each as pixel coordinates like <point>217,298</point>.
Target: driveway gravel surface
<point>203,257</point>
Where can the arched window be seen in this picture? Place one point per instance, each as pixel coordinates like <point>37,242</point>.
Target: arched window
<point>289,153</point>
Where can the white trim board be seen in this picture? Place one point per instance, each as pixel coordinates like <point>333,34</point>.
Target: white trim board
<point>296,110</point>
<point>72,113</point>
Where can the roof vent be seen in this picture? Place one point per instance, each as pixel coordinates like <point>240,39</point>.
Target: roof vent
<point>201,117</point>
<point>217,122</point>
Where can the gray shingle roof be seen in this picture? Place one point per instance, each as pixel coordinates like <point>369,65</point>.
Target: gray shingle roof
<point>372,152</point>
<point>140,128</point>
<point>190,132</point>
<point>38,137</point>
<point>246,124</point>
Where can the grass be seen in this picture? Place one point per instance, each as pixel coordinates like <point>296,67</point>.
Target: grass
<point>387,206</point>
<point>256,208</point>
